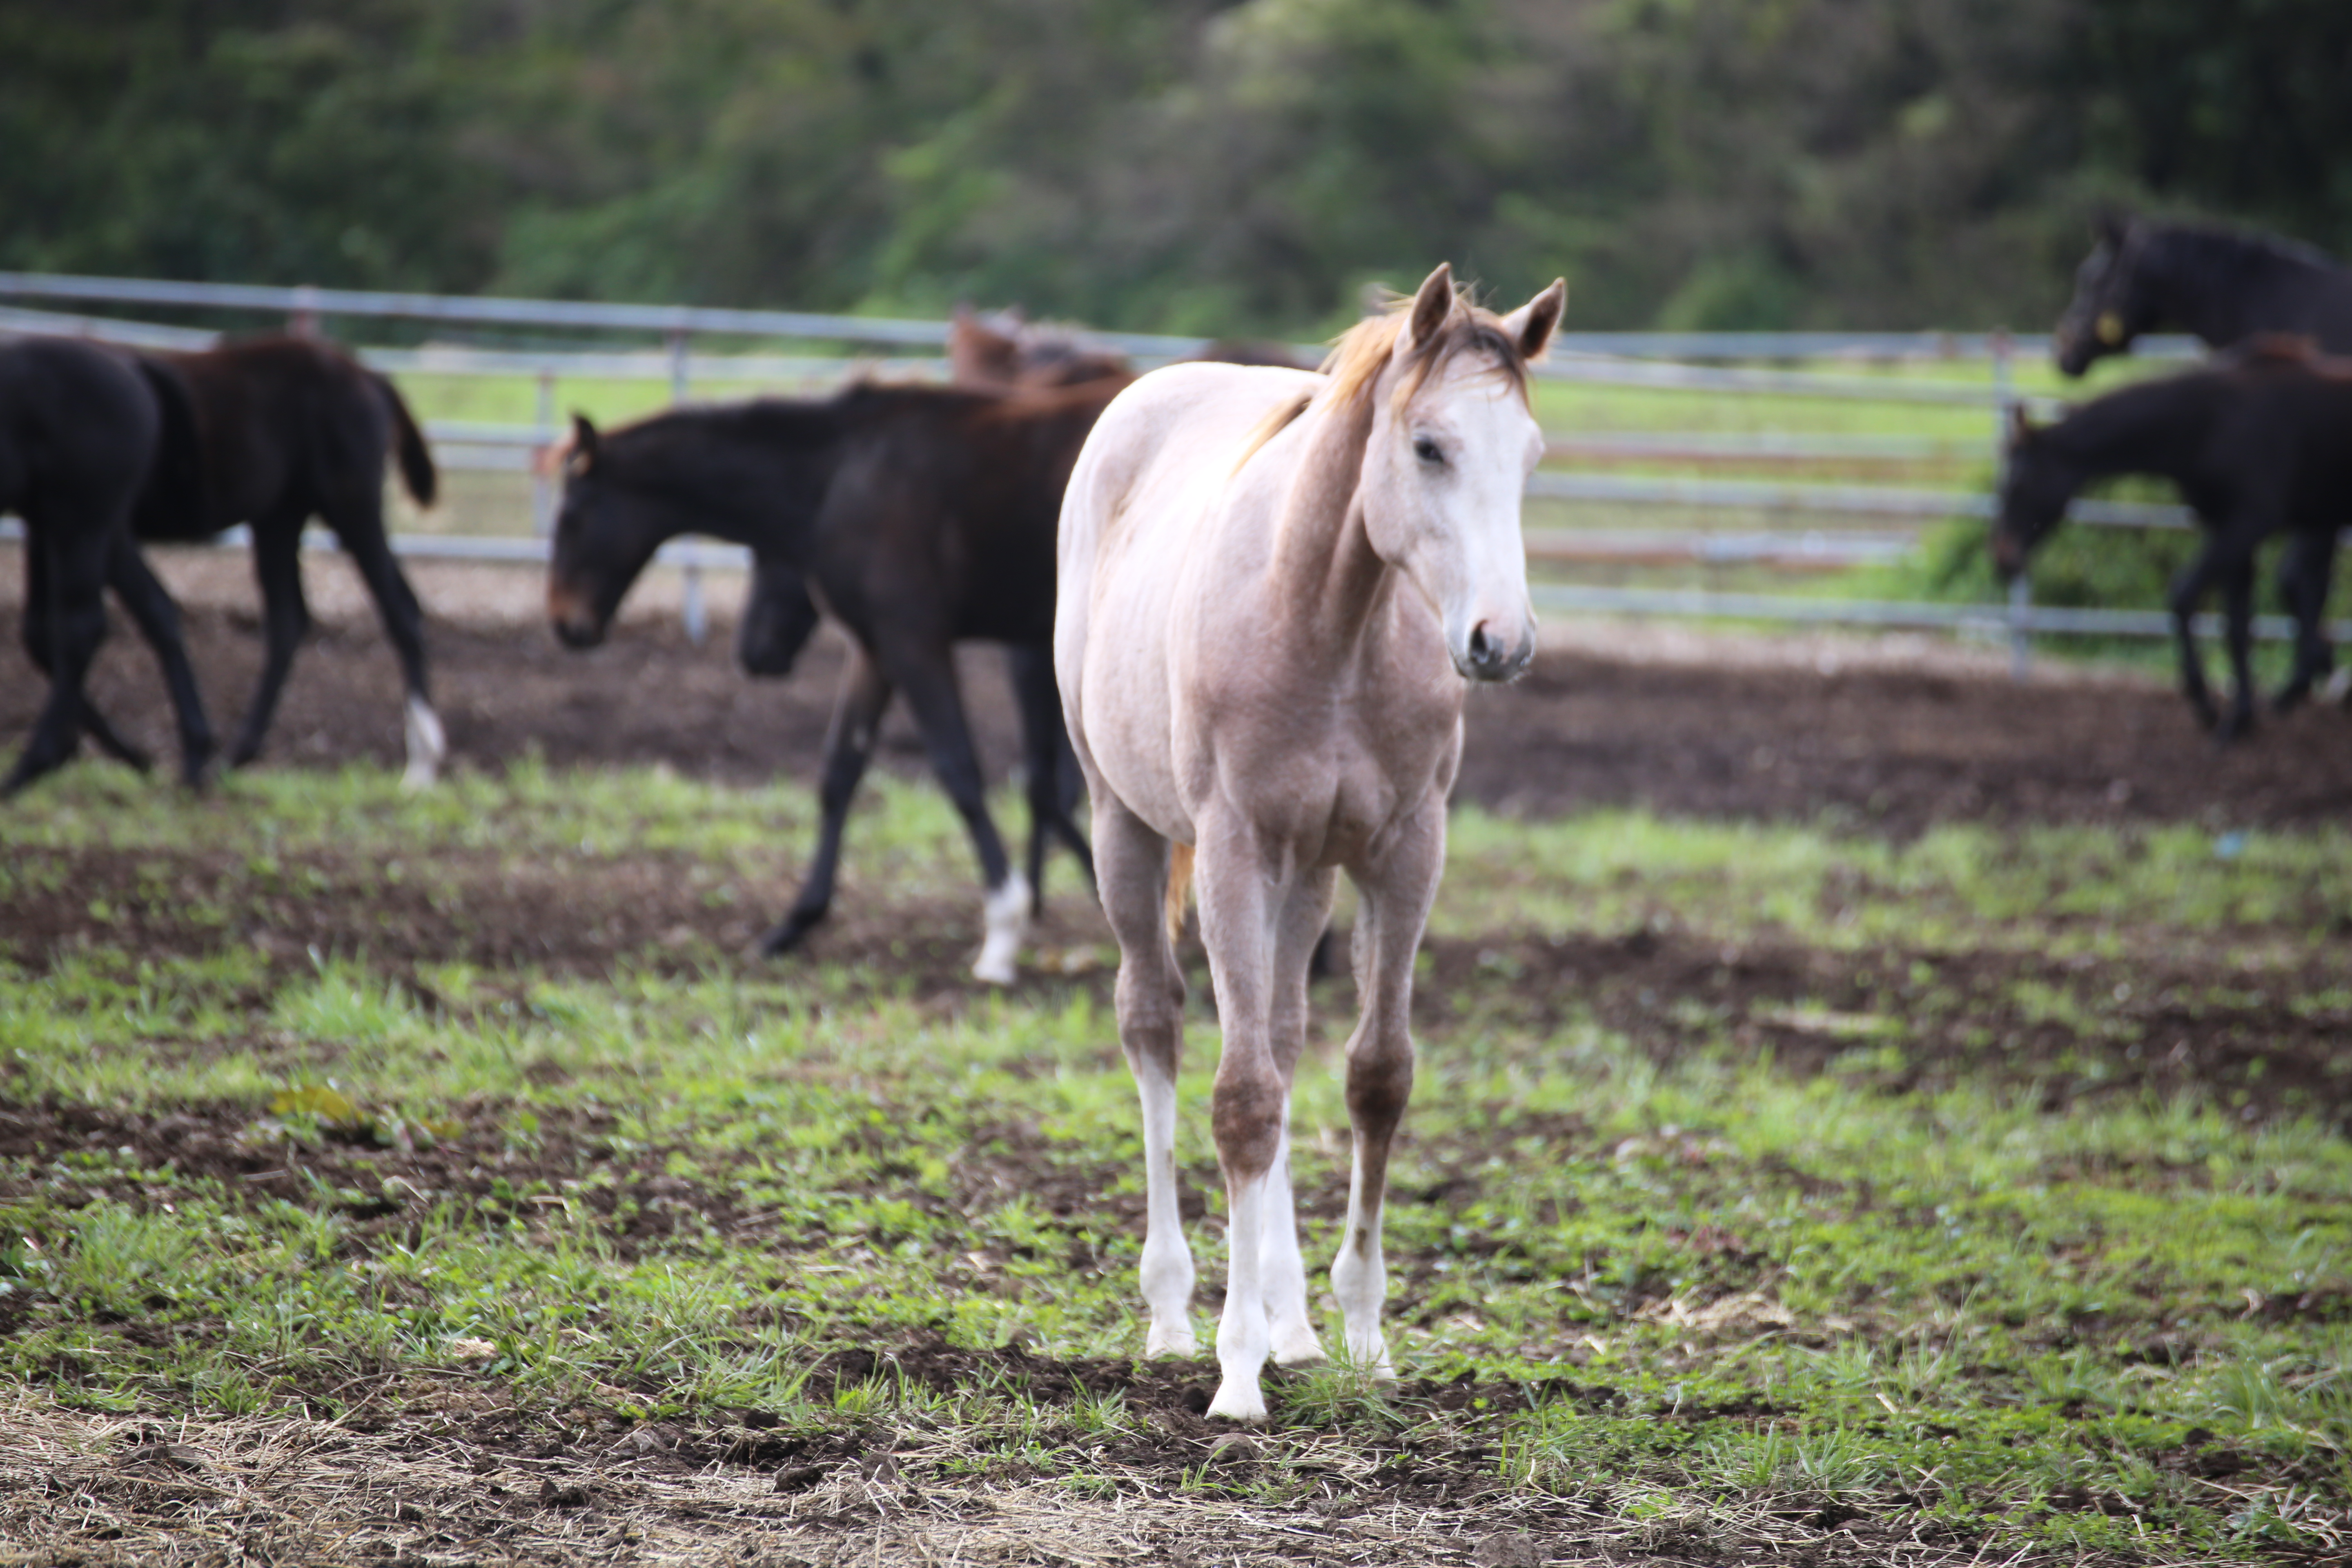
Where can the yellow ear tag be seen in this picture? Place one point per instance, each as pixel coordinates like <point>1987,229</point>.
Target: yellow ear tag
<point>2111,327</point>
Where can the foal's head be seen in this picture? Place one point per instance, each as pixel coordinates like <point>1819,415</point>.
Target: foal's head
<point>2116,298</point>
<point>1452,441</point>
<point>605,534</point>
<point>2035,485</point>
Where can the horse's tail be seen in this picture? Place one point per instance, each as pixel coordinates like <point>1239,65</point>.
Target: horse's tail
<point>416,459</point>
<point>1180,887</point>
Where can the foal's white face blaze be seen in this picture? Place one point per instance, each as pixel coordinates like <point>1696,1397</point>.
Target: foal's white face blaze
<point>1442,477</point>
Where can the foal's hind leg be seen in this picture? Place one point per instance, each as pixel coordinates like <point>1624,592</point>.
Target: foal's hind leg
<point>1133,867</point>
<point>359,523</point>
<point>849,745</point>
<point>65,621</point>
<point>928,676</point>
<point>39,646</point>
<point>158,618</point>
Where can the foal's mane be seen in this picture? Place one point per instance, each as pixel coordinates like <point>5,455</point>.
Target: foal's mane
<point>1361,352</point>
<point>2216,247</point>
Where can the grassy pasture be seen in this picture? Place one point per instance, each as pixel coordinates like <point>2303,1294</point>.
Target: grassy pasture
<point>1769,1191</point>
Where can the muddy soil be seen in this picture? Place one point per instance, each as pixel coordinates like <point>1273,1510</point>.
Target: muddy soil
<point>1892,745</point>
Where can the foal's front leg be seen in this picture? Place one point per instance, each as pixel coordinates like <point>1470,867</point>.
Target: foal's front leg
<point>2238,632</point>
<point>1396,896</point>
<point>2188,588</point>
<point>857,711</point>
<point>1298,929</point>
<point>1237,901</point>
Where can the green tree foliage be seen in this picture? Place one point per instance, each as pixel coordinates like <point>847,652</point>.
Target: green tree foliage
<point>1182,164</point>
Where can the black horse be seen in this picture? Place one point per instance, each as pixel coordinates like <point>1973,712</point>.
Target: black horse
<point>282,429</point>
<point>2257,443</point>
<point>2224,285</point>
<point>922,516</point>
<point>80,432</point>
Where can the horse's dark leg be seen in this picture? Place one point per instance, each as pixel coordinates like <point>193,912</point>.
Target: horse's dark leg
<point>158,618</point>
<point>2238,628</point>
<point>2305,573</point>
<point>927,677</point>
<point>39,647</point>
<point>285,619</point>
<point>359,523</point>
<point>1049,767</point>
<point>2188,588</point>
<point>65,620</point>
<point>848,746</point>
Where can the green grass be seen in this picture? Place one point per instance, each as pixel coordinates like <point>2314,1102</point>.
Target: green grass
<point>669,1187</point>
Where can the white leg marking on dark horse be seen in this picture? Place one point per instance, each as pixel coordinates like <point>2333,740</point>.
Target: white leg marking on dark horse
<point>1007,916</point>
<point>427,745</point>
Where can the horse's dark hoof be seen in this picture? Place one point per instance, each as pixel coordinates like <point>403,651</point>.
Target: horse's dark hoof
<point>786,935</point>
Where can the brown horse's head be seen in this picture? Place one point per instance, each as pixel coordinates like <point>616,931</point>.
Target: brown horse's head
<point>2035,487</point>
<point>605,532</point>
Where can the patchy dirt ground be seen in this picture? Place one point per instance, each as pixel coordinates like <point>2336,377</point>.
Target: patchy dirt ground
<point>1898,734</point>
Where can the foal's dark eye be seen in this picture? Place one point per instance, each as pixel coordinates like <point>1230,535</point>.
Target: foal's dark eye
<point>1427,450</point>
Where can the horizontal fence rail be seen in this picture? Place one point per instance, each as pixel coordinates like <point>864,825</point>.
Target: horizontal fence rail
<point>1876,367</point>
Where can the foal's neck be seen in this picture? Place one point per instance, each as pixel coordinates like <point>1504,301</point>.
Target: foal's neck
<point>1323,569</point>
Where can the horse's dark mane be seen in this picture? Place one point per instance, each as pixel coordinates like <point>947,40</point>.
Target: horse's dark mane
<point>783,422</point>
<point>2221,255</point>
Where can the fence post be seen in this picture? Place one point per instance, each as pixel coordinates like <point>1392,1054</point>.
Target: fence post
<point>2020,587</point>
<point>542,480</point>
<point>697,617</point>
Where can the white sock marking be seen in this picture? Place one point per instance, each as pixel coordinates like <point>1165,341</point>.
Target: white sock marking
<point>426,745</point>
<point>1006,914</point>
<point>1166,1274</point>
<point>1242,1340</point>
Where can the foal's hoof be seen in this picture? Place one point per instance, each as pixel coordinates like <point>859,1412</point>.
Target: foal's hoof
<point>1239,1399</point>
<point>786,935</point>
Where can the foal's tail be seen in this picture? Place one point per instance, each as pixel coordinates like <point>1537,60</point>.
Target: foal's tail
<point>1180,887</point>
<point>416,459</point>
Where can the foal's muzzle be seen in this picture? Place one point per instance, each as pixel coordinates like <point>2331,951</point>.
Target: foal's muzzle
<point>577,625</point>
<point>1488,658</point>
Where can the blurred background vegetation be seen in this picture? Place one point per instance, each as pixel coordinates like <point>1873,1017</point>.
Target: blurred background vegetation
<point>1176,165</point>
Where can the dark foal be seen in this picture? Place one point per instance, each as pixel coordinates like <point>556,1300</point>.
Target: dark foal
<point>921,516</point>
<point>2220,284</point>
<point>80,429</point>
<point>1003,353</point>
<point>2257,443</point>
<point>285,429</point>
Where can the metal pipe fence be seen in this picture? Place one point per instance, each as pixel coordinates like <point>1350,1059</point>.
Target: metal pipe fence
<point>1875,367</point>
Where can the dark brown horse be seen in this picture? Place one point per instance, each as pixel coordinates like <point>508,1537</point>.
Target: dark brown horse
<point>2224,285</point>
<point>2259,442</point>
<point>282,430</point>
<point>80,432</point>
<point>922,517</point>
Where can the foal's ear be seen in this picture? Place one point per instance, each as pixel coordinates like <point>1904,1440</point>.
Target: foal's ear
<point>2021,427</point>
<point>1532,325</point>
<point>2109,226</point>
<point>1431,306</point>
<point>582,455</point>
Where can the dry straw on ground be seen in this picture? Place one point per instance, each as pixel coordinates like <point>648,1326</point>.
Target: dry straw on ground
<point>78,1487</point>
